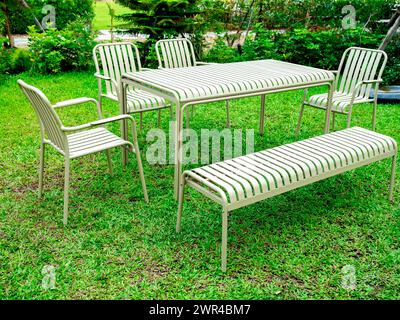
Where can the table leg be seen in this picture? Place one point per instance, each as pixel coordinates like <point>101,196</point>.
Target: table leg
<point>329,108</point>
<point>178,148</point>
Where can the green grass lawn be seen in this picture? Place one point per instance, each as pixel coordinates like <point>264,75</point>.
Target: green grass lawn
<point>102,17</point>
<point>116,246</point>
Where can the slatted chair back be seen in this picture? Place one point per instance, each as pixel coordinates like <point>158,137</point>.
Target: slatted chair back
<point>175,53</point>
<point>357,65</point>
<point>113,60</point>
<point>50,123</point>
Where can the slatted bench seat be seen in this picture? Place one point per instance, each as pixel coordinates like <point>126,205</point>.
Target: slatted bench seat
<point>245,180</point>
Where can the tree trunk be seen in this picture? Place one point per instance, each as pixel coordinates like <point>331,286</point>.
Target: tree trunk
<point>8,27</point>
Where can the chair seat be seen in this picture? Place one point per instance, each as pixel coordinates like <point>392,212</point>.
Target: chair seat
<point>140,100</point>
<point>92,141</point>
<point>341,101</point>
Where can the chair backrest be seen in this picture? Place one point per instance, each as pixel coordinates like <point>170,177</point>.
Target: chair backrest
<point>360,64</point>
<point>114,59</point>
<point>50,123</point>
<point>175,53</point>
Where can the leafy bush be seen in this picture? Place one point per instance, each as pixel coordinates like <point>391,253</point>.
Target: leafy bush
<point>5,61</point>
<point>13,61</point>
<point>220,52</point>
<point>391,75</point>
<point>293,14</point>
<point>21,61</point>
<point>55,50</point>
<point>66,11</point>
<point>321,49</point>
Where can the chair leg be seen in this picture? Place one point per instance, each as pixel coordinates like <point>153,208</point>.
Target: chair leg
<point>139,162</point>
<point>110,167</point>
<point>66,190</point>
<point>333,120</point>
<point>224,239</point>
<point>301,112</point>
<point>228,116</point>
<point>262,115</point>
<point>41,169</point>
<point>180,204</point>
<point>348,119</point>
<point>393,175</point>
<point>159,118</point>
<point>171,113</point>
<point>374,116</point>
<point>300,118</point>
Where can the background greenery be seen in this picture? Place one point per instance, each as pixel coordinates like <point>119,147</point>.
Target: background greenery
<point>118,247</point>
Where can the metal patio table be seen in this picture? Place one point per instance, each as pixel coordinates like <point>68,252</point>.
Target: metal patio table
<point>217,82</point>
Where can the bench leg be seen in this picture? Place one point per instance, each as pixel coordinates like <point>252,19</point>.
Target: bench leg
<point>224,239</point>
<point>393,175</point>
<point>180,204</point>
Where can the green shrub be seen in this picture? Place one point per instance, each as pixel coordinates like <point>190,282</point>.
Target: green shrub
<point>321,49</point>
<point>13,61</point>
<point>391,76</point>
<point>55,50</point>
<point>5,61</point>
<point>21,61</point>
<point>220,52</point>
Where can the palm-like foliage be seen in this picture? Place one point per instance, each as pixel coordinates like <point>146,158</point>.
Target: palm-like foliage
<point>161,17</point>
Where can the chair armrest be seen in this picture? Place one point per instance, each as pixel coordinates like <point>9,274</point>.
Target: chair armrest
<point>372,81</point>
<point>74,102</point>
<point>106,78</point>
<point>200,63</point>
<point>112,119</point>
<point>98,123</point>
<point>100,76</point>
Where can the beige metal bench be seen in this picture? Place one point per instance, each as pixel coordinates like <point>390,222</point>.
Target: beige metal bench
<point>248,179</point>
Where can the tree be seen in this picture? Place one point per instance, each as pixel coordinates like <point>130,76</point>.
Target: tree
<point>162,19</point>
<point>158,18</point>
<point>5,7</point>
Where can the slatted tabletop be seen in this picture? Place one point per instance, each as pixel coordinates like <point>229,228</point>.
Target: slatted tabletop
<point>228,80</point>
<point>214,82</point>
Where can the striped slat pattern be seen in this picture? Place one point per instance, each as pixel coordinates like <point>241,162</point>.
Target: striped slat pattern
<point>195,83</point>
<point>175,53</point>
<point>113,60</point>
<point>357,65</point>
<point>49,121</point>
<point>246,177</point>
<point>140,100</point>
<point>92,141</point>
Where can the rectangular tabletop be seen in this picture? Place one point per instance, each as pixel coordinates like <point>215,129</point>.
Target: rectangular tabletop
<point>201,84</point>
<point>227,80</point>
